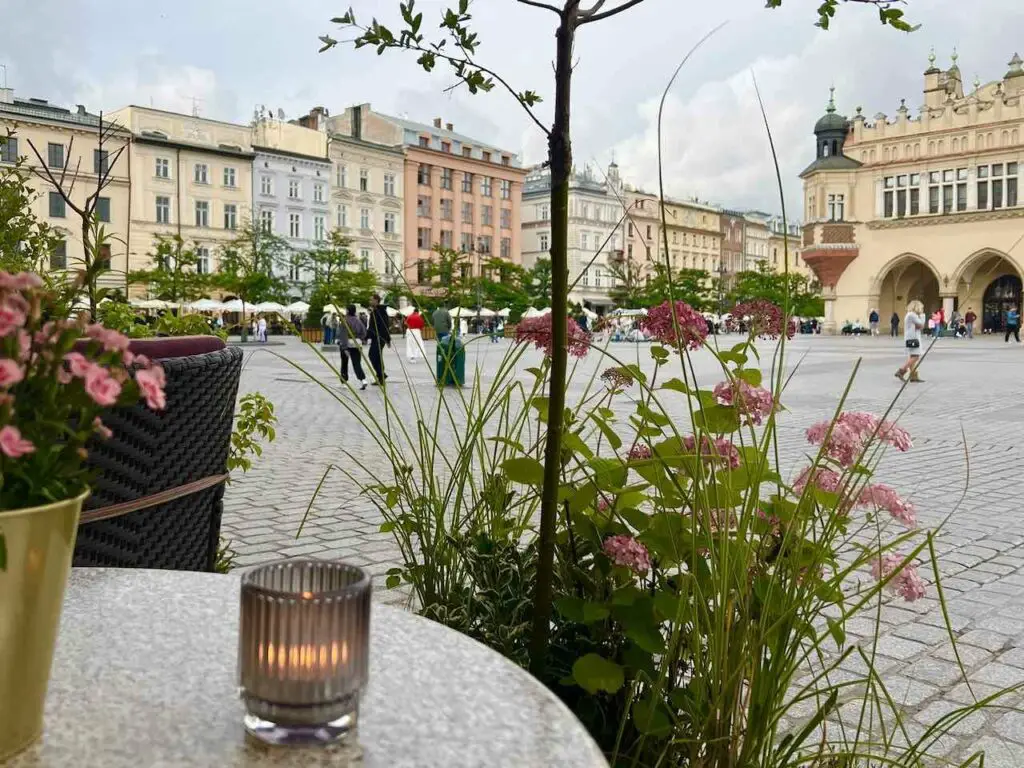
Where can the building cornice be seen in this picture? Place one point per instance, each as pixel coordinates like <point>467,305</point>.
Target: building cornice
<point>389,149</point>
<point>186,145</point>
<point>964,217</point>
<point>320,159</point>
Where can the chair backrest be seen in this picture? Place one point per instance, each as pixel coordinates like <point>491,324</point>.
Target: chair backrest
<point>155,451</point>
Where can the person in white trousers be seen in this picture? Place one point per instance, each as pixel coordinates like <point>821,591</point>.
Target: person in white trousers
<point>414,337</point>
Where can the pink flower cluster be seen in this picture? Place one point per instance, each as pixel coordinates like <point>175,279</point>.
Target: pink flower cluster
<point>688,328</point>
<point>617,378</point>
<point>639,451</point>
<point>764,318</point>
<point>879,496</point>
<point>628,552</point>
<point>851,433</point>
<point>754,403</point>
<point>718,450</point>
<point>537,331</point>
<point>906,583</point>
<point>12,444</point>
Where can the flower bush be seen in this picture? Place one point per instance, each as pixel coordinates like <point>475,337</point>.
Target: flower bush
<point>56,378</point>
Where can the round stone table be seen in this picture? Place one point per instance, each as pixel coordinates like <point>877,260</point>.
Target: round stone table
<point>145,675</point>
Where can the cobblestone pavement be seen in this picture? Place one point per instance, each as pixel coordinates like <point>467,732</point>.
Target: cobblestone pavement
<point>966,420</point>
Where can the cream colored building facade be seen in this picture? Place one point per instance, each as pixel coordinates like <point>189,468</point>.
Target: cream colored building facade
<point>921,207</point>
<point>61,137</point>
<point>694,232</point>
<point>190,176</point>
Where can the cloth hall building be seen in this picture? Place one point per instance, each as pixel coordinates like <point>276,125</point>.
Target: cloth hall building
<point>921,207</point>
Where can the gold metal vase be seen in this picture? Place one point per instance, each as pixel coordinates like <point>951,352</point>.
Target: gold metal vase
<point>40,542</point>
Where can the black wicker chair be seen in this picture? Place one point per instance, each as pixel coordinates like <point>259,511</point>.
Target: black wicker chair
<point>152,452</point>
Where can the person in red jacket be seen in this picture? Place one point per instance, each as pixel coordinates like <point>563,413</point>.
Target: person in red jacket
<point>970,318</point>
<point>414,336</point>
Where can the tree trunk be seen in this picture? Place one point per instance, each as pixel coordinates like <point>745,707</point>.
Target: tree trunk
<point>560,159</point>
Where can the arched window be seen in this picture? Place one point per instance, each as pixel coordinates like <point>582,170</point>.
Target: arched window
<point>931,147</point>
<point>940,147</point>
<point>906,151</point>
<point>979,140</point>
<point>824,149</point>
<point>864,156</point>
<point>885,154</point>
<point>835,147</point>
<point>988,140</point>
<point>873,155</point>
<point>956,145</point>
<point>1005,138</point>
<point>917,150</point>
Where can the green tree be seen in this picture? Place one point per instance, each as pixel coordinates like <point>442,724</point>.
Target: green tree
<point>502,285</point>
<point>763,283</point>
<point>694,286</point>
<point>458,47</point>
<point>630,290</point>
<point>26,243</point>
<point>537,284</point>
<point>328,257</point>
<point>173,275</point>
<point>451,271</point>
<point>247,266</point>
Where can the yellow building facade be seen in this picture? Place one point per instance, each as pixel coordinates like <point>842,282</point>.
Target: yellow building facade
<point>693,231</point>
<point>67,139</point>
<point>922,207</point>
<point>190,177</point>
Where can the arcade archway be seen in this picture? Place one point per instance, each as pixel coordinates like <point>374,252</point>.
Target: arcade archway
<point>907,279</point>
<point>989,283</point>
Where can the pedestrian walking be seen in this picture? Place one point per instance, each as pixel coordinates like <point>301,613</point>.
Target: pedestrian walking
<point>325,324</point>
<point>894,325</point>
<point>255,327</point>
<point>351,335</point>
<point>970,319</point>
<point>379,335</point>
<point>414,325</point>
<point>1012,324</point>
<point>912,325</point>
<point>262,329</point>
<point>442,322</point>
<point>873,322</point>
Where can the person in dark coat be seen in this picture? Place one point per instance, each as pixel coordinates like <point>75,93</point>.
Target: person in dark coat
<point>894,325</point>
<point>351,334</point>
<point>379,335</point>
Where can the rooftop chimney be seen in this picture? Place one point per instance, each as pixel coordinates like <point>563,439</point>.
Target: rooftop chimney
<point>448,127</point>
<point>357,122</point>
<point>437,122</point>
<point>81,109</point>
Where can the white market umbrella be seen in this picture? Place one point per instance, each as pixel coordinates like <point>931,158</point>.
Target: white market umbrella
<point>330,309</point>
<point>206,305</point>
<point>484,312</point>
<point>545,311</point>
<point>504,312</point>
<point>461,312</point>
<point>154,304</point>
<point>269,306</point>
<point>590,313</point>
<point>532,312</point>
<point>297,308</point>
<point>235,305</point>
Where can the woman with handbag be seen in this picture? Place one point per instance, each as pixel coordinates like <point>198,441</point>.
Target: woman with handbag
<point>912,325</point>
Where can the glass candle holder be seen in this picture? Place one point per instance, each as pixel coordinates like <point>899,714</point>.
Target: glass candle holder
<point>303,650</point>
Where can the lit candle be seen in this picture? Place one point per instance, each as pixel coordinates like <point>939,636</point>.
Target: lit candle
<point>303,650</point>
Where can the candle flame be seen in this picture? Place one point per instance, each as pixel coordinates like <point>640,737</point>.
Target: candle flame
<point>307,595</point>
<point>303,660</point>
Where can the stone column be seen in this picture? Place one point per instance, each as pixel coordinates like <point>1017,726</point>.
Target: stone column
<point>947,306</point>
<point>829,326</point>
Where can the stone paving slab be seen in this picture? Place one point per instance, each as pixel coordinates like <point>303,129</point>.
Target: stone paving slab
<point>964,475</point>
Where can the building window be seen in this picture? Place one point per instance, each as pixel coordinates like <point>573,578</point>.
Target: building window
<point>487,157</point>
<point>202,213</point>
<point>364,180</point>
<point>294,268</point>
<point>506,160</point>
<point>446,209</point>
<point>55,155</point>
<point>266,185</point>
<point>9,150</point>
<point>100,161</point>
<point>423,206</point>
<point>467,151</point>
<point>485,186</point>
<point>425,142</point>
<point>997,186</point>
<point>229,177</point>
<point>467,213</point>
<point>423,174</point>
<point>506,189</point>
<point>163,168</point>
<point>364,259</point>
<point>506,247</point>
<point>446,146</point>
<point>59,255</point>
<point>467,183</point>
<point>342,176</point>
<point>294,225</point>
<point>506,218</point>
<point>421,271</point>
<point>487,216</point>
<point>389,224</point>
<point>203,260</point>
<point>318,193</point>
<point>390,263</point>
<point>342,216</point>
<point>466,242</point>
<point>584,241</point>
<point>200,174</point>
<point>293,189</point>
<point>389,184</point>
<point>836,207</point>
<point>423,239</point>
<point>230,216</point>
<point>544,214</point>
<point>163,210</point>
<point>57,208</point>
<point>364,218</point>
<point>446,178</point>
<point>447,239</point>
<point>542,241</point>
<point>485,244</point>
<point>267,221</point>
<point>103,209</point>
<point>319,228</point>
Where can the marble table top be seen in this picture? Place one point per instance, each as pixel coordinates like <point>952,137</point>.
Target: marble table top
<point>145,675</point>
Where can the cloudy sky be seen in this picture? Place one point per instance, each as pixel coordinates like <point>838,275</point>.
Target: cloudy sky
<point>229,56</point>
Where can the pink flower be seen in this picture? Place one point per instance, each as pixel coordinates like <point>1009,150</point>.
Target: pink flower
<point>852,432</point>
<point>764,318</point>
<point>827,480</point>
<point>20,282</point>
<point>753,403</point>
<point>10,373</point>
<point>881,496</point>
<point>537,330</point>
<point>101,386</point>
<point>603,505</point>
<point>112,340</point>
<point>11,318</point>
<point>617,378</point>
<point>628,552</point>
<point>151,382</point>
<point>907,583</point>
<point>12,444</point>
<point>639,451</point>
<point>102,429</point>
<point>64,376</point>
<point>688,329</point>
<point>720,449</point>
<point>24,345</point>
<point>79,364</point>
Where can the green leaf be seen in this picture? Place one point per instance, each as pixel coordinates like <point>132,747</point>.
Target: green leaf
<point>540,404</point>
<point>582,497</point>
<point>750,375</point>
<point>393,581</point>
<point>574,442</point>
<point>525,470</point>
<point>594,612</point>
<point>609,434</point>
<point>637,520</point>
<point>387,527</point>
<point>671,607</point>
<point>835,628</point>
<point>676,385</point>
<point>717,419</point>
<point>650,717</point>
<point>594,673</point>
<point>659,353</point>
<point>609,474</point>
<point>571,608</point>
<point>652,416</point>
